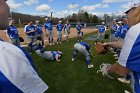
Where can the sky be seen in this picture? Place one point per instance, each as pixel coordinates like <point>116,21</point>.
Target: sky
<point>62,8</point>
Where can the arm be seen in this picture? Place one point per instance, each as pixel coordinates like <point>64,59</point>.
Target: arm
<point>57,58</point>
<point>117,44</point>
<point>117,68</point>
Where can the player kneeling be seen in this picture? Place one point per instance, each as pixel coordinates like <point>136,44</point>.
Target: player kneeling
<point>83,48</point>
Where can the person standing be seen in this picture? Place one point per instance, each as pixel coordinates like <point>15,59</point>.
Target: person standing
<point>59,28</point>
<point>129,59</point>
<point>16,64</point>
<point>67,27</point>
<point>12,32</point>
<point>79,32</point>
<point>39,32</point>
<point>49,30</point>
<point>114,29</point>
<point>101,32</point>
<point>31,35</point>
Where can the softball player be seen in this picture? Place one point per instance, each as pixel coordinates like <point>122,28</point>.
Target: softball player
<point>79,27</point>
<point>129,60</point>
<point>39,31</point>
<point>67,29</point>
<point>17,71</point>
<point>83,48</point>
<point>49,30</point>
<point>59,28</point>
<point>31,35</point>
<point>50,55</point>
<point>101,32</point>
<point>12,32</point>
<point>114,29</point>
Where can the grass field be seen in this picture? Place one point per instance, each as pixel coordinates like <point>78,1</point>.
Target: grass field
<point>74,77</point>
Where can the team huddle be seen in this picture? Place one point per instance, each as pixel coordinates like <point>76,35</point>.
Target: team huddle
<point>17,70</point>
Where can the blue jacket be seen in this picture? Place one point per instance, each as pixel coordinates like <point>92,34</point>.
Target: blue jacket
<point>59,27</point>
<point>48,25</point>
<point>12,31</point>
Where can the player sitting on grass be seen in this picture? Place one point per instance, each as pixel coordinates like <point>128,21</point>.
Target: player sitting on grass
<point>50,55</point>
<point>83,48</point>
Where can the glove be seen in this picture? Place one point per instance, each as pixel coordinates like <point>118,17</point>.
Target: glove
<point>21,39</point>
<point>100,48</point>
<point>104,70</point>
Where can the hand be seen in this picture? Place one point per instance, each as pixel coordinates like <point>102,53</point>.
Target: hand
<point>105,44</point>
<point>104,69</point>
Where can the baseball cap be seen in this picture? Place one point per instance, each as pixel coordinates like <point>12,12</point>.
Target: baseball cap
<point>119,22</point>
<point>60,21</point>
<point>134,5</point>
<point>103,22</point>
<point>46,19</point>
<point>37,21</point>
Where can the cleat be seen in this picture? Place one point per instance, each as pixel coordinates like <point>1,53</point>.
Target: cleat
<point>90,66</point>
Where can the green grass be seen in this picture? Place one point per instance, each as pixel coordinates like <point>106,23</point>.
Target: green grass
<point>74,77</point>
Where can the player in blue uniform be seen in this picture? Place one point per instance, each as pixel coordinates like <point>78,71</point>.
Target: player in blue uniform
<point>101,32</point>
<point>16,64</point>
<point>67,27</point>
<point>49,30</point>
<point>79,32</point>
<point>31,35</point>
<point>12,32</point>
<point>39,31</point>
<point>59,28</point>
<point>114,29</point>
<point>119,30</point>
<point>129,60</point>
<point>83,48</point>
<point>50,55</point>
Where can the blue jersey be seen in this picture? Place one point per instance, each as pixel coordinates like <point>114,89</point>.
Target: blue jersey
<point>114,29</point>
<point>117,34</point>
<point>79,27</point>
<point>30,28</point>
<point>39,29</point>
<point>86,45</point>
<point>12,32</point>
<point>130,55</point>
<point>54,54</point>
<point>48,25</point>
<point>59,27</point>
<point>126,26</point>
<point>102,29</point>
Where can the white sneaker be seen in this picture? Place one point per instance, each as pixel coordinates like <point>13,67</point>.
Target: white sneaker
<point>117,58</point>
<point>90,66</point>
<point>72,59</point>
<point>60,42</point>
<point>78,40</point>
<point>53,44</point>
<point>126,91</point>
<point>111,49</point>
<point>57,43</point>
<point>50,44</point>
<point>30,53</point>
<point>115,55</point>
<point>123,80</point>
